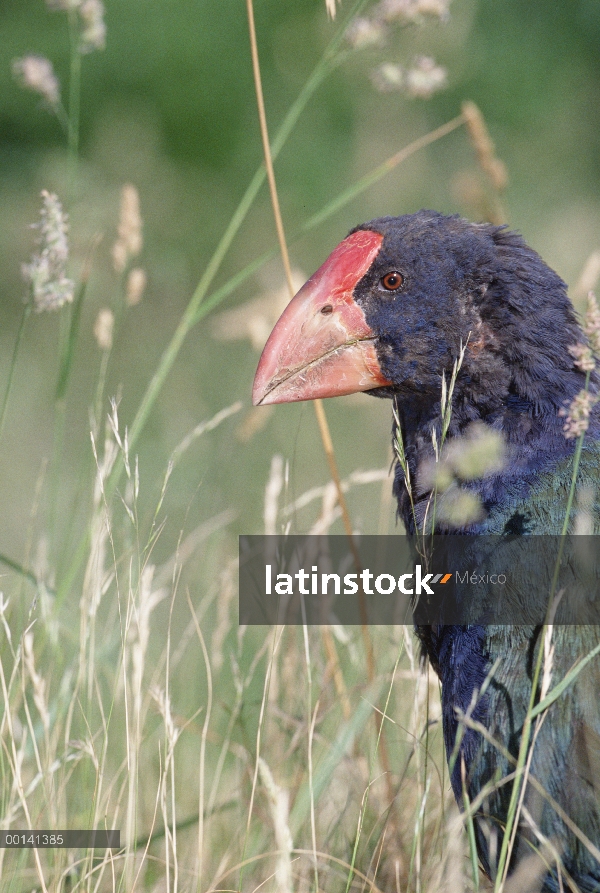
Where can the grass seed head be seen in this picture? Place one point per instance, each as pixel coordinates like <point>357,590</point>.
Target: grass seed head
<point>93,27</point>
<point>409,11</point>
<point>591,325</point>
<point>388,77</point>
<point>129,242</point>
<point>425,77</point>
<point>46,274</point>
<point>577,415</point>
<point>37,74</point>
<point>103,328</point>
<point>365,33</point>
<point>136,283</point>
<point>583,357</point>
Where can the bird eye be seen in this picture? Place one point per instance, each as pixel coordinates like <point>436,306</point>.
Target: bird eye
<point>393,281</point>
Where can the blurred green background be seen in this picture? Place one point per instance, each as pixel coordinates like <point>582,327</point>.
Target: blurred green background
<point>169,106</point>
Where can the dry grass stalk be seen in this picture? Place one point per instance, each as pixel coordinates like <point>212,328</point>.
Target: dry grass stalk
<point>320,412</point>
<point>274,638</point>
<point>490,164</point>
<point>202,760</point>
<point>336,671</point>
<point>40,693</point>
<point>46,765</point>
<point>356,478</point>
<point>141,602</point>
<point>330,511</point>
<point>167,782</point>
<point>546,681</point>
<point>279,809</point>
<point>493,168</point>
<point>228,590</point>
<point>589,277</point>
<point>241,686</point>
<point>16,759</point>
<point>203,428</point>
<point>451,867</point>
<point>272,493</point>
<point>96,578</point>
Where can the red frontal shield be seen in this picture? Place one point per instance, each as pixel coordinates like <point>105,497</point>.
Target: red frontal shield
<point>321,345</point>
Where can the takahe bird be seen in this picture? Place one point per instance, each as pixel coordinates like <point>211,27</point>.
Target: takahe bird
<point>389,312</point>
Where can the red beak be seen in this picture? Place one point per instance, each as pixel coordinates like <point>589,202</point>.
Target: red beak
<point>322,345</point>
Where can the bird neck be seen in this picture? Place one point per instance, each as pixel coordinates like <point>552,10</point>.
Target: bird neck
<point>525,414</point>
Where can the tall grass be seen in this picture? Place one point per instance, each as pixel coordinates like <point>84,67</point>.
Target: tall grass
<point>229,758</point>
<point>225,756</point>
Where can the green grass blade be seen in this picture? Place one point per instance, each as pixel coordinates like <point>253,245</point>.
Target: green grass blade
<point>336,204</point>
<point>13,363</point>
<point>339,747</point>
<point>571,676</point>
<point>471,837</point>
<point>320,72</point>
<point>69,351</point>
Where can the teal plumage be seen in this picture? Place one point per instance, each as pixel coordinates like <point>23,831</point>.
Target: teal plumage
<point>566,755</point>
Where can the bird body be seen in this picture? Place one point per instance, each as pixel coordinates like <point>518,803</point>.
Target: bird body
<point>399,305</point>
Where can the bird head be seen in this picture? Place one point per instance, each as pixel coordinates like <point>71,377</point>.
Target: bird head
<point>391,308</point>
